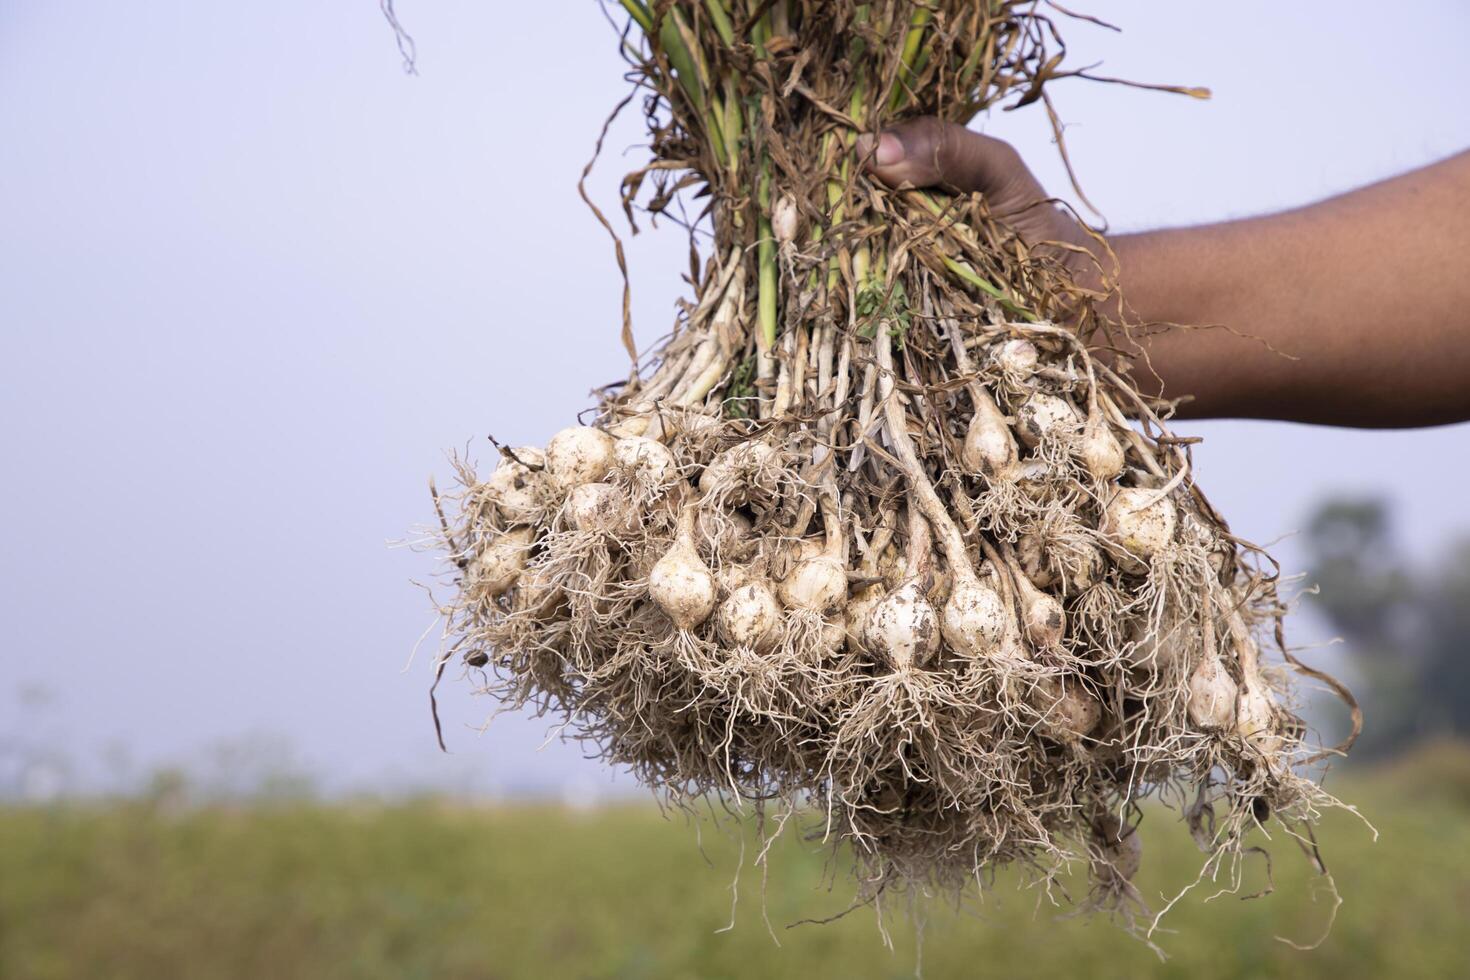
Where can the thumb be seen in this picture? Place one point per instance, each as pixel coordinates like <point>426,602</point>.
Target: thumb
<point>928,152</point>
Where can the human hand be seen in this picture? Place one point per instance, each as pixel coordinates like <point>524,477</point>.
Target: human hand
<point>1287,283</point>
<point>929,152</point>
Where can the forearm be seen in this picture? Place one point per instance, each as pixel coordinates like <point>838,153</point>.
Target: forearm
<point>1353,311</point>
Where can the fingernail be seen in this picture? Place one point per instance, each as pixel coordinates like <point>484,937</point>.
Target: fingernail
<point>890,151</point>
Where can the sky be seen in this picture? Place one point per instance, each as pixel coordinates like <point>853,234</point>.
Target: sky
<point>255,281</point>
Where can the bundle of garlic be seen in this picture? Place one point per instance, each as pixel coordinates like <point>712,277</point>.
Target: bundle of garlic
<point>877,533</point>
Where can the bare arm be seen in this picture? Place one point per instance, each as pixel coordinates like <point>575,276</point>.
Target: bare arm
<point>1367,294</point>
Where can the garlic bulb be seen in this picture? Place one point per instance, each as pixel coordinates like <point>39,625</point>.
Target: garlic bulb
<point>578,455</point>
<point>1042,616</point>
<point>717,530</point>
<point>988,448</point>
<point>834,631</point>
<point>520,491</point>
<point>818,583</point>
<point>859,608</point>
<point>1101,453</point>
<point>1070,712</point>
<point>784,220</point>
<point>974,617</point>
<point>647,461</point>
<point>1256,716</point>
<point>1017,358</point>
<point>682,584</point>
<point>499,564</point>
<point>1141,521</point>
<point>741,470</point>
<point>1159,649</point>
<point>1034,476</point>
<point>599,508</point>
<point>1212,695</point>
<point>537,594</point>
<point>903,628</point>
<point>749,617</point>
<point>732,576</point>
<point>1031,555</point>
<point>1044,416</point>
<point>1255,719</point>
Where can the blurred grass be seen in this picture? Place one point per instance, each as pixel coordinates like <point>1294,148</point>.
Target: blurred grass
<point>438,890</point>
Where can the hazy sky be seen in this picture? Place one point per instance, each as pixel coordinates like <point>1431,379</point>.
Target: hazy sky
<point>253,279</point>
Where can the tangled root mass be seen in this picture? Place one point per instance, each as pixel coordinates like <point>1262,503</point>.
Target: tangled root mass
<point>877,532</point>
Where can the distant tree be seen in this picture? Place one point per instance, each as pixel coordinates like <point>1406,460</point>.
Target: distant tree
<point>1408,628</point>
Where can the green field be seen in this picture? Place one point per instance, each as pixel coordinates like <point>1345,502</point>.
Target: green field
<point>438,890</point>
